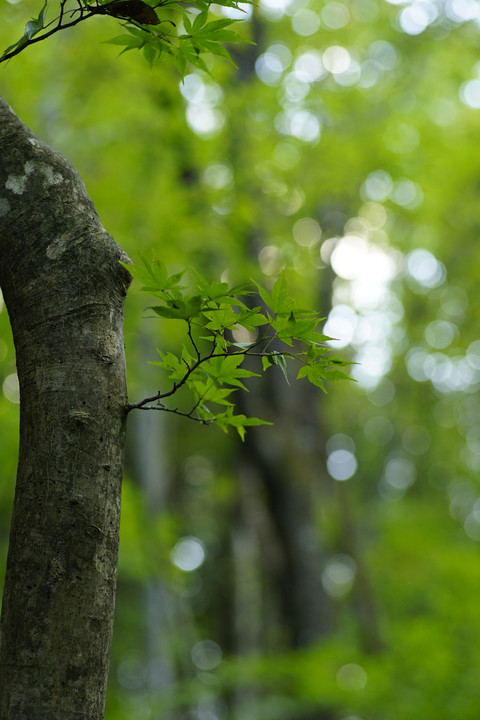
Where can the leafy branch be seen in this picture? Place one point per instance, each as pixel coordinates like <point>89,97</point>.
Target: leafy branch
<point>148,25</point>
<point>36,25</point>
<point>217,321</point>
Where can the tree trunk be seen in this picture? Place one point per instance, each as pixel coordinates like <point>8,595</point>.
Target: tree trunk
<point>64,290</point>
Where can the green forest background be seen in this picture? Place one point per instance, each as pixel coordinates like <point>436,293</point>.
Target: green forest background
<point>328,568</point>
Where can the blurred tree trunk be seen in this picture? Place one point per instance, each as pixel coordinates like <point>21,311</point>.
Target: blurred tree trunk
<point>285,465</point>
<point>146,453</point>
<point>366,608</point>
<point>64,290</point>
<point>284,461</point>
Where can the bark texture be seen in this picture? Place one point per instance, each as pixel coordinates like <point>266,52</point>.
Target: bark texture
<point>64,290</point>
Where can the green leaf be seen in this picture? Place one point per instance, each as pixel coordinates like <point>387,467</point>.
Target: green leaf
<point>303,372</point>
<point>181,63</point>
<point>18,45</point>
<point>174,313</point>
<point>251,318</point>
<point>187,359</point>
<point>194,58</point>
<point>172,364</point>
<point>207,46</point>
<point>239,422</point>
<point>150,52</point>
<point>337,375</point>
<point>179,309</point>
<point>314,373</point>
<point>227,36</point>
<point>278,359</point>
<point>264,294</point>
<point>146,274</point>
<point>221,318</point>
<point>315,351</point>
<point>35,25</point>
<point>212,27</point>
<point>187,24</point>
<point>226,370</point>
<point>209,391</point>
<point>253,321</point>
<point>199,22</point>
<point>220,290</point>
<point>281,302</point>
<point>155,278</point>
<point>137,32</point>
<point>129,43</point>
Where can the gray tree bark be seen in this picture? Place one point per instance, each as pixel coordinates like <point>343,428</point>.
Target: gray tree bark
<point>64,290</point>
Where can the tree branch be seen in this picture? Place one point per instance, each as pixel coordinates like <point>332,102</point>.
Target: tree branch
<point>17,48</point>
<point>143,404</point>
<point>176,411</point>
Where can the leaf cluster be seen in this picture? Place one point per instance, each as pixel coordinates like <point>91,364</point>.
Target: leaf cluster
<point>201,35</point>
<point>210,364</point>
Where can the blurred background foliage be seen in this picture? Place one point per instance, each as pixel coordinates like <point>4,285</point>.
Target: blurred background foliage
<point>329,567</point>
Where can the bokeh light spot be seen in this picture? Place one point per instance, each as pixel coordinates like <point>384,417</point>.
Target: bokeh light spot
<point>269,68</point>
<point>352,677</point>
<point>206,655</point>
<point>335,15</point>
<point>11,388</point>
<point>470,94</point>
<point>340,326</point>
<point>305,22</point>
<point>336,59</point>
<point>341,465</point>
<point>339,575</point>
<point>423,267</point>
<point>271,260</point>
<point>218,176</point>
<point>309,67</point>
<point>377,186</point>
<point>307,232</point>
<point>440,333</point>
<point>188,554</point>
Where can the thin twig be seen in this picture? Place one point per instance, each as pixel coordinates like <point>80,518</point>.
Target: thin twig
<point>176,411</point>
<point>177,385</point>
<point>194,344</point>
